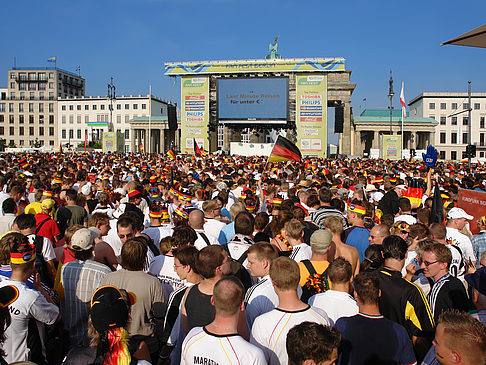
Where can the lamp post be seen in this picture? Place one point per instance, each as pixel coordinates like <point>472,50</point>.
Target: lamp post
<point>390,96</point>
<point>111,98</point>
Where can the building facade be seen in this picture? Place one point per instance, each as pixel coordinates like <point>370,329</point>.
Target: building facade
<point>28,106</point>
<point>450,110</point>
<point>88,117</point>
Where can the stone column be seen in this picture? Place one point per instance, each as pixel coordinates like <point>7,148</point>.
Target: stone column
<point>348,133</point>
<point>376,140</point>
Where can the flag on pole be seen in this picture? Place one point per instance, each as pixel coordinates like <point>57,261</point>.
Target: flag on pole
<point>437,211</point>
<point>197,150</point>
<point>52,59</point>
<point>171,154</point>
<point>284,150</point>
<point>404,105</point>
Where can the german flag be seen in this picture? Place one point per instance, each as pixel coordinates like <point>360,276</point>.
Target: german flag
<point>171,154</point>
<point>197,150</point>
<point>284,150</point>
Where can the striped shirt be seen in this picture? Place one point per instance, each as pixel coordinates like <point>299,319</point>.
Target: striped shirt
<point>269,331</point>
<point>260,298</point>
<point>80,279</point>
<point>324,212</point>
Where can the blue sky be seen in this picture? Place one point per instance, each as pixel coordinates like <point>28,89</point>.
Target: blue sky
<point>131,40</point>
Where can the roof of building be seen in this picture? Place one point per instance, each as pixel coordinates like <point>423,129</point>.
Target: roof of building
<point>383,116</point>
<point>438,95</point>
<point>153,118</point>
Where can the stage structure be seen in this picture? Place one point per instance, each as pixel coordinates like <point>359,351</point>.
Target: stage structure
<point>264,94</point>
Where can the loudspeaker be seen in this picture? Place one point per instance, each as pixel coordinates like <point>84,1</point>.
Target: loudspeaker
<point>172,117</point>
<point>338,119</point>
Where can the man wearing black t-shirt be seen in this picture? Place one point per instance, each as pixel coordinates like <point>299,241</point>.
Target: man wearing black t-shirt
<point>368,337</point>
<point>401,301</point>
<point>447,292</point>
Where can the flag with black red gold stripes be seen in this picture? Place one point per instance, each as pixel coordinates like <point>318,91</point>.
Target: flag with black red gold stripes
<point>284,150</point>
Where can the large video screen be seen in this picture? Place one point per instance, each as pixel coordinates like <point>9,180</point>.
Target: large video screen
<point>253,99</point>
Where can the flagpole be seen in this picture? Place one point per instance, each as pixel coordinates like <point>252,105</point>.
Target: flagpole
<point>150,118</point>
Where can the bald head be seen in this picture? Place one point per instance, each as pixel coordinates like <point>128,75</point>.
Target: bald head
<point>228,294</point>
<point>378,233</point>
<point>196,219</point>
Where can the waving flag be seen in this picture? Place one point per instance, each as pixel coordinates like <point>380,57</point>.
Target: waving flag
<point>171,154</point>
<point>197,150</point>
<point>402,101</point>
<point>284,150</point>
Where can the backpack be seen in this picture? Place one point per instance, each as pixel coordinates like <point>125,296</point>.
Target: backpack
<point>238,269</point>
<point>315,283</point>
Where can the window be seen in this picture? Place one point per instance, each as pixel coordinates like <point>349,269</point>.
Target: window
<point>21,107</point>
<point>2,107</point>
<point>11,119</point>
<point>41,95</point>
<point>465,138</point>
<point>31,107</point>
<point>127,106</point>
<point>21,131</point>
<point>118,119</point>
<point>42,76</point>
<point>431,105</point>
<point>2,118</point>
<point>86,107</point>
<point>86,119</point>
<point>94,107</point>
<point>51,119</point>
<point>63,107</point>
<point>12,131</point>
<point>78,107</point>
<point>118,107</point>
<point>135,106</point>
<point>465,106</point>
<point>454,105</point>
<point>481,139</point>
<point>21,142</point>
<point>22,95</point>
<point>41,119</point>
<point>22,86</point>
<point>51,85</point>
<point>78,133</point>
<point>443,119</point>
<point>78,119</point>
<point>126,118</point>
<point>71,134</point>
<point>51,95</point>
<point>31,96</point>
<point>102,106</point>
<point>481,154</point>
<point>31,119</point>
<point>454,138</point>
<point>454,121</point>
<point>11,107</point>
<point>22,76</point>
<point>127,133</point>
<point>477,106</point>
<point>442,155</point>
<point>220,136</point>
<point>63,134</point>
<point>21,119</point>
<point>71,119</point>
<point>144,106</point>
<point>442,137</point>
<point>465,121</point>
<point>51,75</point>
<point>31,86</point>
<point>41,108</point>
<point>63,119</point>
<point>51,107</point>
<point>42,86</point>
<point>481,122</point>
<point>71,107</point>
<point>31,131</point>
<point>2,131</point>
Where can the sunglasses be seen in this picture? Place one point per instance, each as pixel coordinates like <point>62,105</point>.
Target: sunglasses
<point>427,264</point>
<point>404,231</point>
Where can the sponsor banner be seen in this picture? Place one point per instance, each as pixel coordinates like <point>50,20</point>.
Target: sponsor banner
<point>113,142</point>
<point>391,147</point>
<point>473,203</point>
<point>245,66</point>
<point>311,114</point>
<point>195,112</point>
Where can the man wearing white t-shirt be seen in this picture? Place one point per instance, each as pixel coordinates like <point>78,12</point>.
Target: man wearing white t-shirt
<point>211,211</point>
<point>196,221</point>
<point>337,302</point>
<point>24,342</point>
<point>219,341</point>
<point>261,297</point>
<point>456,220</point>
<point>295,235</point>
<point>270,330</point>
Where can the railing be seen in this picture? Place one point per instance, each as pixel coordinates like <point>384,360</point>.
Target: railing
<point>44,68</point>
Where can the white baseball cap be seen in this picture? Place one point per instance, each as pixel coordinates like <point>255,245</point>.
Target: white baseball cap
<point>83,238</point>
<point>456,213</point>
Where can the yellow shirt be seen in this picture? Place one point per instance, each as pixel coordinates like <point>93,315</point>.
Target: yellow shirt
<point>320,267</point>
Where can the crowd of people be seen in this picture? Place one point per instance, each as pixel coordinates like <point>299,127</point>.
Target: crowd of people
<point>150,259</point>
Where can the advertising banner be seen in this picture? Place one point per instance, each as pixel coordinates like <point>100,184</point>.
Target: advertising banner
<point>109,142</point>
<point>195,112</point>
<point>473,203</point>
<point>311,114</point>
<point>391,147</point>
<point>245,66</point>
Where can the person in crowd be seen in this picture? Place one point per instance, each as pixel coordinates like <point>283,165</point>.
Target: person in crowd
<point>477,282</point>
<point>6,220</point>
<point>310,343</point>
<point>71,213</point>
<point>45,225</point>
<point>295,235</point>
<point>457,219</point>
<point>368,337</point>
<point>337,302</point>
<point>149,293</point>
<point>479,240</point>
<point>261,297</point>
<point>196,221</point>
<point>269,330</point>
<point>212,210</point>
<point>378,233</point>
<point>447,292</point>
<point>219,342</point>
<point>357,235</point>
<point>80,278</point>
<point>325,210</point>
<point>405,212</point>
<point>458,266</point>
